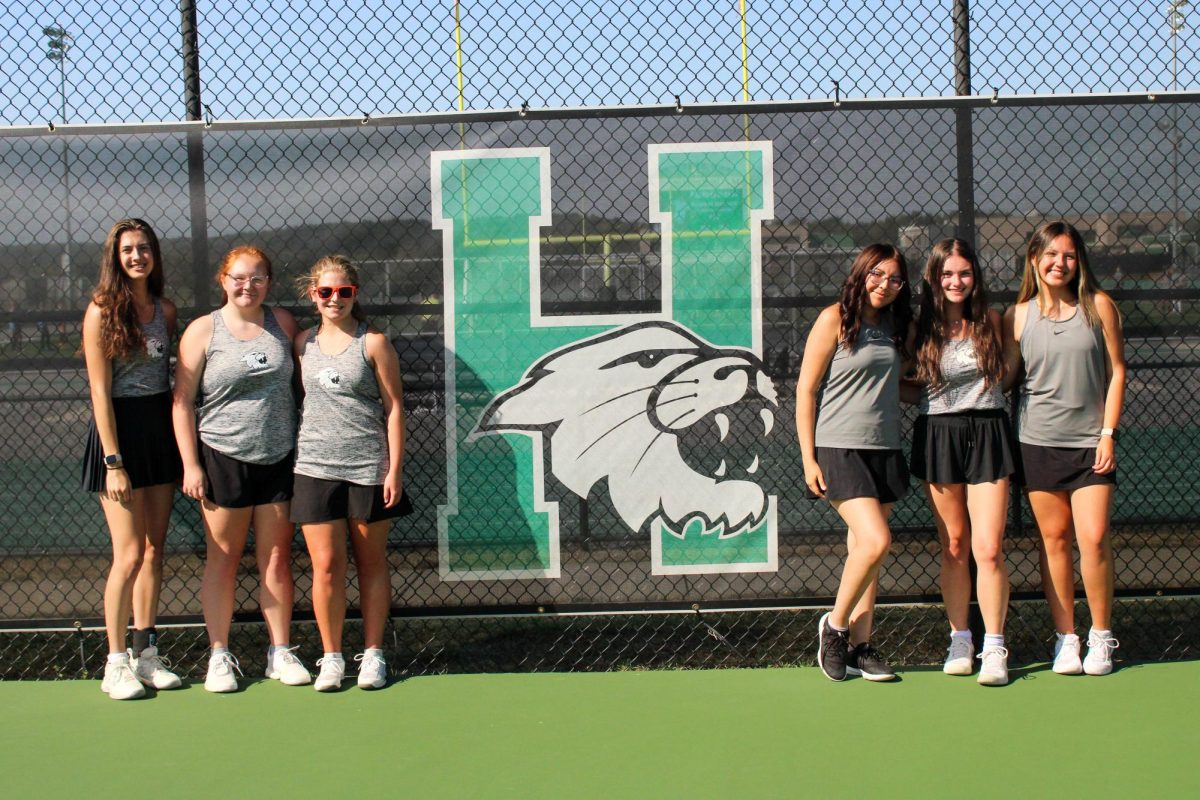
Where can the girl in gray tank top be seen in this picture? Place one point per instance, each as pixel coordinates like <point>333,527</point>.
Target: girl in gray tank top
<point>146,372</point>
<point>349,464</point>
<point>848,422</point>
<point>1068,334</point>
<point>962,450</point>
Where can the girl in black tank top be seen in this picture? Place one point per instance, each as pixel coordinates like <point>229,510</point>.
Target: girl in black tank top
<point>851,371</point>
<point>1070,482</point>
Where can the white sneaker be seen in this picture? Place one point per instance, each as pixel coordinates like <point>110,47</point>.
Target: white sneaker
<point>1099,654</point>
<point>220,673</point>
<point>119,681</point>
<point>372,670</point>
<point>993,667</point>
<point>151,669</point>
<point>1066,656</point>
<point>960,658</point>
<point>286,668</point>
<point>333,670</point>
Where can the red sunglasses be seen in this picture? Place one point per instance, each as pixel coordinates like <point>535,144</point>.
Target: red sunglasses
<point>345,292</point>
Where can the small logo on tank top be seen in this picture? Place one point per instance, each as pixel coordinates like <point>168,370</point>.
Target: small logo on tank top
<point>255,361</point>
<point>329,378</point>
<point>873,335</point>
<point>155,348</point>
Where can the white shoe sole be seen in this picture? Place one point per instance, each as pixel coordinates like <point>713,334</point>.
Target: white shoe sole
<point>1103,669</point>
<point>1068,669</point>
<point>220,687</point>
<point>858,673</point>
<point>957,670</point>
<point>992,680</point>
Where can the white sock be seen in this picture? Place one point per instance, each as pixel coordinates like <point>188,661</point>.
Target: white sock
<point>113,658</point>
<point>373,651</point>
<point>1062,636</point>
<point>992,640</point>
<point>962,635</point>
<point>1094,633</point>
<point>216,651</point>
<point>334,656</point>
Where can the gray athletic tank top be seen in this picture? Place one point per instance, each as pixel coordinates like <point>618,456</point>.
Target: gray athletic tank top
<point>858,406</point>
<point>146,373</point>
<point>247,410</point>
<point>962,386</point>
<point>343,432</point>
<point>1062,396</point>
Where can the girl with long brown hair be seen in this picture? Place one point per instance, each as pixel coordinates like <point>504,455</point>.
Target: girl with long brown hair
<point>349,465</point>
<point>237,446</point>
<point>130,459</point>
<point>848,422</point>
<point>961,449</point>
<point>1067,333</point>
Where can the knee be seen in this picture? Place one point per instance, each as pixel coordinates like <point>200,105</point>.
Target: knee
<point>127,563</point>
<point>153,557</point>
<point>1057,540</point>
<point>989,555</point>
<point>328,566</point>
<point>956,548</point>
<point>1093,542</point>
<point>874,548</point>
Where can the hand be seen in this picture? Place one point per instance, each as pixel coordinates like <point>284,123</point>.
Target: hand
<point>193,482</point>
<point>393,488</point>
<point>117,485</point>
<point>1106,457</point>
<point>815,478</point>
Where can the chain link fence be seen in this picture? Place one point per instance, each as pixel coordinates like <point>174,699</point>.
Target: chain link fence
<point>845,173</point>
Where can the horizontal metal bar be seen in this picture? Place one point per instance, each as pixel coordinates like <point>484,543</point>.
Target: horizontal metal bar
<point>817,105</point>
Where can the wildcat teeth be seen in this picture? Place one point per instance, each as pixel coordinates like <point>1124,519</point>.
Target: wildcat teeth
<point>720,473</point>
<point>753,468</point>
<point>768,420</point>
<point>722,427</point>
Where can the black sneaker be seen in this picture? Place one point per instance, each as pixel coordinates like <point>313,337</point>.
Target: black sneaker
<point>831,649</point>
<point>866,661</point>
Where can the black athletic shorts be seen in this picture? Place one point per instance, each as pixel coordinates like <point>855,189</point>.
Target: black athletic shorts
<point>1061,469</point>
<point>231,483</point>
<point>969,447</point>
<point>881,474</point>
<point>321,500</point>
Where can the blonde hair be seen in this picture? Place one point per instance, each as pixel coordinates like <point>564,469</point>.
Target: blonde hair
<point>334,263</point>
<point>1084,284</point>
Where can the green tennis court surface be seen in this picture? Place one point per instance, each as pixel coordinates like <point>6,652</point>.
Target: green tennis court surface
<point>685,734</point>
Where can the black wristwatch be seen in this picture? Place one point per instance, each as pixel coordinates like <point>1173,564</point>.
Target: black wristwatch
<point>113,461</point>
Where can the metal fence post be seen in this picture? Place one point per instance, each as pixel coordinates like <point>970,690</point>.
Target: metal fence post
<point>195,152</point>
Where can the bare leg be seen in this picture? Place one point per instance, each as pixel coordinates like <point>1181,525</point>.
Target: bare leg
<point>225,531</point>
<point>988,505</point>
<point>1091,507</point>
<point>949,504</point>
<point>148,585</point>
<point>374,581</point>
<point>128,542</point>
<point>327,547</point>
<point>868,540</point>
<point>273,534</point>
<point>1052,512</point>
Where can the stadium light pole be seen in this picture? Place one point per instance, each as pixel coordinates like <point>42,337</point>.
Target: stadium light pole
<point>58,44</point>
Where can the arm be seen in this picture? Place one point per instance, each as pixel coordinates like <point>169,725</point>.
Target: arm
<point>1114,395</point>
<point>188,370</point>
<point>99,372</point>
<point>1011,343</point>
<point>818,353</point>
<point>171,317</point>
<point>387,374</point>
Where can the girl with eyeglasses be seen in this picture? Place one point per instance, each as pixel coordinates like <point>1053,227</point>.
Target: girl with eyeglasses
<point>1067,334</point>
<point>961,449</point>
<point>237,446</point>
<point>130,460</point>
<point>848,421</point>
<point>349,465</point>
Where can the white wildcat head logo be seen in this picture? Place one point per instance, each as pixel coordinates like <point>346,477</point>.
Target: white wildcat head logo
<point>155,348</point>
<point>618,405</point>
<point>255,359</point>
<point>329,378</point>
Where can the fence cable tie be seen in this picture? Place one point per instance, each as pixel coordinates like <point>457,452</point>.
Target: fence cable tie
<point>207,116</point>
<point>678,105</point>
<point>524,108</point>
<point>82,658</point>
<point>995,95</point>
<point>713,632</point>
<point>366,117</point>
<point>50,125</point>
<point>837,94</point>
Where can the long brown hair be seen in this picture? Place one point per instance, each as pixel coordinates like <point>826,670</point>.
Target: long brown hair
<point>334,263</point>
<point>854,296</point>
<point>120,333</point>
<point>1084,284</point>
<point>931,321</point>
<point>236,253</point>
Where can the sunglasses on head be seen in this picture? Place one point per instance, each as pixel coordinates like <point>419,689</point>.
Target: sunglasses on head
<point>345,292</point>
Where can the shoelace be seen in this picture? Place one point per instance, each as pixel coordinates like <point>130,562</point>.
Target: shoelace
<point>155,661</point>
<point>1108,642</point>
<point>959,648</point>
<point>869,653</point>
<point>992,651</point>
<point>287,655</point>
<point>333,663</point>
<point>228,660</point>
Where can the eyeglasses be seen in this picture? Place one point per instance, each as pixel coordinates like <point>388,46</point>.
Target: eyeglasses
<point>255,281</point>
<point>879,276</point>
<point>344,292</point>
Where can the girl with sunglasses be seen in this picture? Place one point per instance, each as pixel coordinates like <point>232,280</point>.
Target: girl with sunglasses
<point>848,421</point>
<point>349,465</point>
<point>237,446</point>
<point>1067,333</point>
<point>961,449</point>
<point>130,460</point>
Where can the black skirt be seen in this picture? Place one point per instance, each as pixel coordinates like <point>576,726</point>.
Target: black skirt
<point>863,473</point>
<point>971,447</point>
<point>1061,469</point>
<point>146,440</point>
